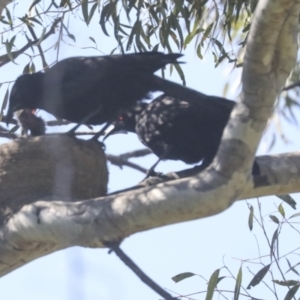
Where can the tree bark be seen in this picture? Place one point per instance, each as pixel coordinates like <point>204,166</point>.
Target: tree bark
<point>49,167</point>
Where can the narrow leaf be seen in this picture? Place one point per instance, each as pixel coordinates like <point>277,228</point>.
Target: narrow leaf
<point>250,218</point>
<point>281,210</point>
<point>291,293</point>
<point>286,282</point>
<point>5,100</point>
<point>259,276</point>
<point>34,4</point>
<point>212,284</point>
<point>92,11</point>
<point>288,199</point>
<point>274,240</point>
<point>182,276</point>
<point>274,219</point>
<point>238,283</point>
<point>84,9</point>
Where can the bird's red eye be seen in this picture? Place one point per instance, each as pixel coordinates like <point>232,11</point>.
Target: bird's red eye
<point>121,118</point>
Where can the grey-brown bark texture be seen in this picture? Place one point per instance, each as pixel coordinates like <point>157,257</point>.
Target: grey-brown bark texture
<point>43,227</point>
<point>49,167</point>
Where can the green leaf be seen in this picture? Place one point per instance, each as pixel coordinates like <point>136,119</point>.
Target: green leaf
<point>274,219</point>
<point>155,48</point>
<point>207,32</point>
<point>250,218</point>
<point>259,276</point>
<point>180,73</point>
<point>174,37</point>
<point>274,239</point>
<point>292,268</point>
<point>38,14</point>
<point>93,40</point>
<point>281,210</point>
<point>145,37</point>
<point>8,15</point>
<point>213,281</point>
<point>291,293</point>
<point>26,69</point>
<point>34,4</point>
<point>132,34</point>
<point>5,100</point>
<point>182,276</point>
<point>180,35</point>
<point>34,20</point>
<point>198,51</point>
<point>32,68</point>
<point>294,215</point>
<point>286,282</point>
<point>92,11</point>
<point>8,46</point>
<point>288,199</point>
<point>190,36</point>
<point>84,9</point>
<point>238,283</point>
<point>72,36</point>
<point>106,13</point>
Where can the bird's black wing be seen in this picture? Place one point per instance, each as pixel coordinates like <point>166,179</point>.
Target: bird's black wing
<point>184,130</point>
<point>77,75</point>
<point>75,87</point>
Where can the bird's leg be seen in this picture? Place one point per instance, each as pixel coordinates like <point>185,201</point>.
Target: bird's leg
<point>151,172</point>
<point>83,121</point>
<point>101,132</point>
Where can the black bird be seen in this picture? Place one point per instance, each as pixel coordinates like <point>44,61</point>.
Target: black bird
<point>93,90</point>
<point>177,129</point>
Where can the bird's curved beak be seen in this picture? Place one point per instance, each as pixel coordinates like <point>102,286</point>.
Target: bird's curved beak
<point>9,116</point>
<point>118,127</point>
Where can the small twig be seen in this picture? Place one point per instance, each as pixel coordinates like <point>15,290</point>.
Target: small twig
<point>13,121</point>
<point>115,246</point>
<point>45,65</point>
<point>8,135</point>
<point>136,153</point>
<point>57,122</point>
<point>289,87</point>
<point>4,59</point>
<point>122,160</point>
<point>119,161</point>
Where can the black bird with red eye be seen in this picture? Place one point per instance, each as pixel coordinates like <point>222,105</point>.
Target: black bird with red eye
<point>176,129</point>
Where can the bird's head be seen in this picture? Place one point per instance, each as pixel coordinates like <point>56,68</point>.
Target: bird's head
<point>26,93</point>
<point>127,120</point>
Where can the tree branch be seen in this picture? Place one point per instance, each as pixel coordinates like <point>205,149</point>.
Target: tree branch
<point>115,246</point>
<point>122,160</point>
<point>43,227</point>
<point>4,59</point>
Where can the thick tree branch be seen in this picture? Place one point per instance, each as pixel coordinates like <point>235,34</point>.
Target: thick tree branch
<point>56,167</point>
<point>44,227</point>
<point>115,246</point>
<point>3,4</point>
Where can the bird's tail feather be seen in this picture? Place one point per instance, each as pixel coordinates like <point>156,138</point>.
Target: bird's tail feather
<point>181,92</point>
